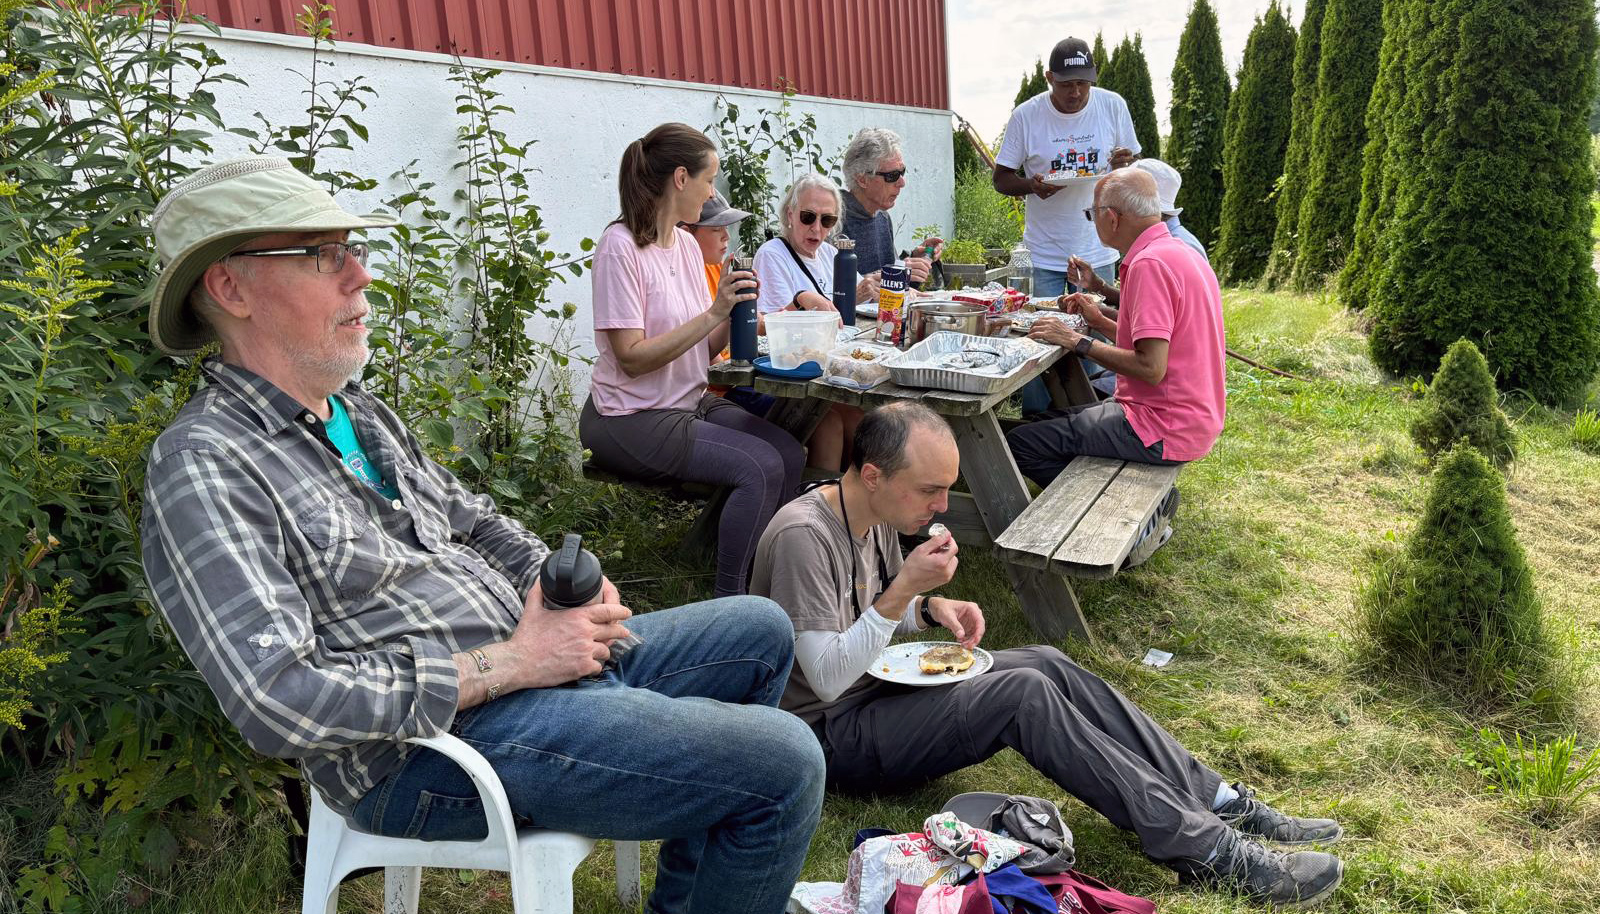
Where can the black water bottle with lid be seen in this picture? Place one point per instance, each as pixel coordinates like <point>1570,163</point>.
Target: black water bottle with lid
<point>844,280</point>
<point>742,321</point>
<point>571,577</point>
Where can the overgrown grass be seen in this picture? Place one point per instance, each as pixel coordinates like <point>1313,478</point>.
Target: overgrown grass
<point>1256,596</point>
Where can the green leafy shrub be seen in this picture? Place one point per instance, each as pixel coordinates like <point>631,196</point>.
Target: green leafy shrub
<point>1462,405</point>
<point>1470,232</point>
<point>1127,73</point>
<point>1546,780</point>
<point>985,215</point>
<point>963,251</point>
<point>1352,36</point>
<point>774,140</point>
<point>1258,135</point>
<point>1199,114</point>
<point>1586,431</point>
<point>1456,608</point>
<point>1292,184</point>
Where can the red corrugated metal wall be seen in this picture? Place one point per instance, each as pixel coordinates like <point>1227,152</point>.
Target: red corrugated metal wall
<point>889,51</point>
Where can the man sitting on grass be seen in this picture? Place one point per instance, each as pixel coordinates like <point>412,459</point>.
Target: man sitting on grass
<point>831,559</point>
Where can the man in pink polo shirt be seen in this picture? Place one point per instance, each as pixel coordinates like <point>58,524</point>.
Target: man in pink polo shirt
<point>1168,355</point>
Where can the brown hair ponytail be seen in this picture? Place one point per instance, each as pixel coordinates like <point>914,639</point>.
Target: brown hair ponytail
<point>648,165</point>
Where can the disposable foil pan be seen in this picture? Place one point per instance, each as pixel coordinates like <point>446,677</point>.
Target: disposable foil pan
<point>924,365</point>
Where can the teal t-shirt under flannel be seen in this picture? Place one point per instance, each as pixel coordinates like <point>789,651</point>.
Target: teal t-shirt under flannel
<point>343,436</point>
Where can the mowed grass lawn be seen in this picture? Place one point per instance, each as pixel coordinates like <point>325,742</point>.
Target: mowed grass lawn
<point>1256,595</point>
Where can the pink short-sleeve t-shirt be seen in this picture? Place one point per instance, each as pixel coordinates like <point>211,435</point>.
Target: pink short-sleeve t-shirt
<point>1169,292</point>
<point>657,290</point>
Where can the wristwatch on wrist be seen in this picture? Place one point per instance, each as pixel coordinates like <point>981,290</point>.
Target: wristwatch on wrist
<point>1083,345</point>
<point>927,617</point>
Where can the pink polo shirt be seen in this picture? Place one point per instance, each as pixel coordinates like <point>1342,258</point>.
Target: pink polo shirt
<point>656,290</point>
<point>1170,293</point>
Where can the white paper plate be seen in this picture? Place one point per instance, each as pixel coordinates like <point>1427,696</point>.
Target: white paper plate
<point>1068,179</point>
<point>899,663</point>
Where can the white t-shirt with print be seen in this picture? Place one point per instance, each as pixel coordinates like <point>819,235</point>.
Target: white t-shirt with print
<point>781,278</point>
<point>1039,139</point>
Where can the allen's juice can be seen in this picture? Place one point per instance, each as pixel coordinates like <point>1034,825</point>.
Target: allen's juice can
<point>892,302</point>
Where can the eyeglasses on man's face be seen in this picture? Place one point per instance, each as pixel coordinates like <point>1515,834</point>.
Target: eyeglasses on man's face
<point>807,217</point>
<point>890,177</point>
<point>330,254</point>
<point>1089,212</point>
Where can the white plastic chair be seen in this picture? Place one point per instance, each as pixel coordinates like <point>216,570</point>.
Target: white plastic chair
<point>540,862</point>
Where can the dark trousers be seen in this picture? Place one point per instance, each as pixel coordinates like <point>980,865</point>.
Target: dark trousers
<point>1066,721</point>
<point>1044,447</point>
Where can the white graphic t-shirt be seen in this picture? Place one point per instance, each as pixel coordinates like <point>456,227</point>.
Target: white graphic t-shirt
<point>1039,139</point>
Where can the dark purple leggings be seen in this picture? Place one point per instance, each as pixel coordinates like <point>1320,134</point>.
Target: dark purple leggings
<point>762,463</point>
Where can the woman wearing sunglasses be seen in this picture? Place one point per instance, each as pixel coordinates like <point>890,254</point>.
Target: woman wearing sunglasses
<point>796,271</point>
<point>796,268</point>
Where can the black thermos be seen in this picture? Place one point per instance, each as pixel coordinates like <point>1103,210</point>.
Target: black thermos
<point>742,321</point>
<point>844,280</point>
<point>571,577</point>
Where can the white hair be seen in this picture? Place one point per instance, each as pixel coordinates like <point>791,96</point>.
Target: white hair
<point>813,181</point>
<point>1131,192</point>
<point>867,150</point>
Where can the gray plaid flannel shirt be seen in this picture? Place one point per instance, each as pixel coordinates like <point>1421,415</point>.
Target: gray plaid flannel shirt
<point>322,614</point>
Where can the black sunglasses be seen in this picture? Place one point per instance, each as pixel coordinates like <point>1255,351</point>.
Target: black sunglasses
<point>828,219</point>
<point>889,177</point>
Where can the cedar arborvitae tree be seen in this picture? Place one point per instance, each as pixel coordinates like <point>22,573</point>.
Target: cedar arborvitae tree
<point>1307,54</point>
<point>1490,238</point>
<point>1351,40</point>
<point>1110,75</point>
<point>1457,608</point>
<point>1390,148</point>
<point>1099,50</point>
<point>1258,133</point>
<point>1463,405</point>
<point>1032,84</point>
<point>1133,76</point>
<point>1199,116</point>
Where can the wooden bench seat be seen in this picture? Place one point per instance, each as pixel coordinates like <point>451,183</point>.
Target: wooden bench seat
<point>1086,523</point>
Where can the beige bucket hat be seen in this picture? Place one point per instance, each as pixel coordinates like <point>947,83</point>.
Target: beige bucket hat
<point>215,210</point>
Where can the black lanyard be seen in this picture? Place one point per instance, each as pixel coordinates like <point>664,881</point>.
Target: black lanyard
<point>883,569</point>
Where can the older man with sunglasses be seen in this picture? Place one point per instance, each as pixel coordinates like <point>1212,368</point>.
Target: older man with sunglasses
<point>875,173</point>
<point>341,592</point>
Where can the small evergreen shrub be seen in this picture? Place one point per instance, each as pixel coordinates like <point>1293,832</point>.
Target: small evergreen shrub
<point>1462,405</point>
<point>1586,431</point>
<point>1546,781</point>
<point>1456,608</point>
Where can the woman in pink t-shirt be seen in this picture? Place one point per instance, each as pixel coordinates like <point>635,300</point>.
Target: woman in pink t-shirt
<point>649,415</point>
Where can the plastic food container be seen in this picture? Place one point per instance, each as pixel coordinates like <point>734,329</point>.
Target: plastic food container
<point>859,366</point>
<point>798,337</point>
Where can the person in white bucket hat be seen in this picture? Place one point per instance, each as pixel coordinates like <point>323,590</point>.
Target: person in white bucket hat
<point>341,592</point>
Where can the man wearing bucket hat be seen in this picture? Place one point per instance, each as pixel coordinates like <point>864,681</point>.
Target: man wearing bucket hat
<point>832,560</point>
<point>341,592</point>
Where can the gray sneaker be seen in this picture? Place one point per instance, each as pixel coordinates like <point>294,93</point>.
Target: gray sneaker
<point>1258,820</point>
<point>1291,881</point>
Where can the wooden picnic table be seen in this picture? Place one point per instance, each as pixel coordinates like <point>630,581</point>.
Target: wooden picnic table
<point>998,492</point>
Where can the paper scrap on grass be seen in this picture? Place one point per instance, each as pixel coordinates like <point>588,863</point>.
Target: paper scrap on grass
<point>1155,658</point>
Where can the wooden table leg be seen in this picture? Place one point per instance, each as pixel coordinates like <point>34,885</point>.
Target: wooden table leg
<point>799,416</point>
<point>1069,383</point>
<point>1047,600</point>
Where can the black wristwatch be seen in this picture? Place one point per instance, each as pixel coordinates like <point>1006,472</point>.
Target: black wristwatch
<point>1083,345</point>
<point>927,617</point>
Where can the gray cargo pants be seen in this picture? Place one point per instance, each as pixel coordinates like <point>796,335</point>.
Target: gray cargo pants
<point>1067,722</point>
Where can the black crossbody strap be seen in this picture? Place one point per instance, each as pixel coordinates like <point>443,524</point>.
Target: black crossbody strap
<point>803,268</point>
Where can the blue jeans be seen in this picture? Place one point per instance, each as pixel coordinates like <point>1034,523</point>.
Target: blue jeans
<point>732,784</point>
<point>1051,284</point>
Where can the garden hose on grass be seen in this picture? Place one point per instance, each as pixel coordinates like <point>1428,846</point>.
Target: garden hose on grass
<point>1254,364</point>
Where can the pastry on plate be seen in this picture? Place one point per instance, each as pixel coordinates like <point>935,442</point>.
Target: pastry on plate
<point>946,658</point>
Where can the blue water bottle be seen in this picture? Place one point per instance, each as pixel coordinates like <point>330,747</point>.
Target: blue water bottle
<point>844,280</point>
<point>742,322</point>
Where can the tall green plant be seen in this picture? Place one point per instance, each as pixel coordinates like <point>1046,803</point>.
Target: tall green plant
<point>1032,83</point>
<point>1258,135</point>
<point>1404,83</point>
<point>1133,79</point>
<point>774,141</point>
<point>1296,159</point>
<point>1199,115</point>
<point>1352,37</point>
<point>1488,245</point>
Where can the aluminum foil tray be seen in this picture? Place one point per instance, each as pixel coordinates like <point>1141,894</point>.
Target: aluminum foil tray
<point>990,362</point>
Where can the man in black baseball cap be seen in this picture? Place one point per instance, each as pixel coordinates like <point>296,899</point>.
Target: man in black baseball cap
<point>1071,60</point>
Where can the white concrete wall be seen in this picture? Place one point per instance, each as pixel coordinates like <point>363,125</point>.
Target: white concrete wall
<point>582,122</point>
